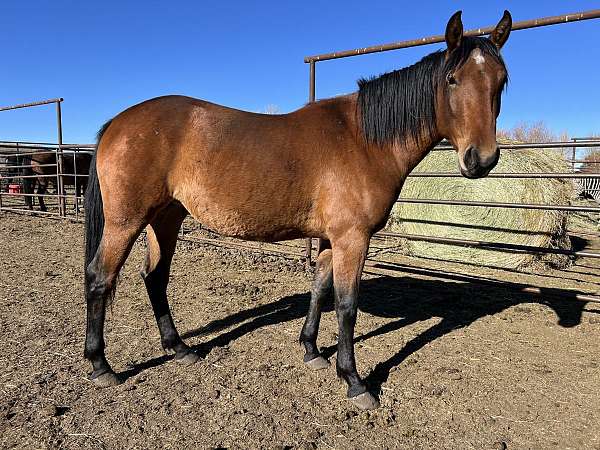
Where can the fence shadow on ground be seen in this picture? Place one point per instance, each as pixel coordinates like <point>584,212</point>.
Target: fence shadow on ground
<point>407,300</point>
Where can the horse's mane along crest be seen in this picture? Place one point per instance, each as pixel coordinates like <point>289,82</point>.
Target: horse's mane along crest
<point>401,104</point>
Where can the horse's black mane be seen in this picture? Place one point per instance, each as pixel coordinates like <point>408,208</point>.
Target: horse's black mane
<point>401,104</point>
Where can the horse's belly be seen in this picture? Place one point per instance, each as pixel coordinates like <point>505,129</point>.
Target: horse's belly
<point>250,222</point>
<point>231,223</point>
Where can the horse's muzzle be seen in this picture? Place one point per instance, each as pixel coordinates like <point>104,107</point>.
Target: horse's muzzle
<point>474,166</point>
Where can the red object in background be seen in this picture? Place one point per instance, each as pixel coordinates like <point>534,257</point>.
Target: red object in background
<point>14,188</point>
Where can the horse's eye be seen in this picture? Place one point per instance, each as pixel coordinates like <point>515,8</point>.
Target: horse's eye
<point>450,79</point>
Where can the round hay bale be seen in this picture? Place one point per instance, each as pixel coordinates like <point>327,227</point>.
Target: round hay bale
<point>531,227</point>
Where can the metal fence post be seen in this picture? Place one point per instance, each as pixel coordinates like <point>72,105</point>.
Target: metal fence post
<point>62,201</point>
<point>573,155</point>
<point>311,98</point>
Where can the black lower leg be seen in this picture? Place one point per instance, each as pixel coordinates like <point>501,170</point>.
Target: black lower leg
<point>27,189</point>
<point>97,295</point>
<point>156,285</point>
<point>321,289</point>
<point>41,191</point>
<point>346,306</point>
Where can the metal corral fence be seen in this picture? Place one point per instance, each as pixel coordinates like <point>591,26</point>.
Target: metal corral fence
<point>19,159</point>
<point>52,175</point>
<point>43,178</point>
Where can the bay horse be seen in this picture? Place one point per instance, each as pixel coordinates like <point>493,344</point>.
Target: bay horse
<point>331,170</point>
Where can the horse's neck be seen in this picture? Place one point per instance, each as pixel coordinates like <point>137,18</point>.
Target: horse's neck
<point>399,157</point>
<point>403,154</point>
<point>407,153</point>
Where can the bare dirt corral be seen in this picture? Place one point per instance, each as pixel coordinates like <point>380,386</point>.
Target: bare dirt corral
<point>458,365</point>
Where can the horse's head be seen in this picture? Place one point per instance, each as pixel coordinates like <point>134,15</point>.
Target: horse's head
<point>468,95</point>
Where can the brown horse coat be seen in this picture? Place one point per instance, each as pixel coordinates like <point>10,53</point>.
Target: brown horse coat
<point>275,182</point>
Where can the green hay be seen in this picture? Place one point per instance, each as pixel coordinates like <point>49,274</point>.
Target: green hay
<point>516,226</point>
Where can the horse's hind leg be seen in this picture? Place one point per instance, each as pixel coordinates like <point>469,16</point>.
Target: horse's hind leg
<point>162,239</point>
<point>321,288</point>
<point>100,280</point>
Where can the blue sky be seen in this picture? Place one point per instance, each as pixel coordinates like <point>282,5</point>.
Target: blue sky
<point>105,56</point>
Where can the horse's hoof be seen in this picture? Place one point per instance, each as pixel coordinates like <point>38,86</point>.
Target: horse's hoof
<point>107,379</point>
<point>317,363</point>
<point>365,401</point>
<point>188,359</point>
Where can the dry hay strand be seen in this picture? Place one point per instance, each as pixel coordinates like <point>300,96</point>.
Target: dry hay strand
<point>540,228</point>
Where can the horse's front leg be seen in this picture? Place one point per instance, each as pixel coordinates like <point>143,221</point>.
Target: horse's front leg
<point>349,253</point>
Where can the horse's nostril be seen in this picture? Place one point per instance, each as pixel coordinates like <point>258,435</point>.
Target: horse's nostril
<point>471,159</point>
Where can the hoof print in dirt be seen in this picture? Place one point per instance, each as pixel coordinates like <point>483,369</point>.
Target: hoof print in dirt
<point>365,401</point>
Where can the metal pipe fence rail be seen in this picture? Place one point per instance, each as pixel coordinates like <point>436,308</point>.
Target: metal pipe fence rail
<point>522,25</point>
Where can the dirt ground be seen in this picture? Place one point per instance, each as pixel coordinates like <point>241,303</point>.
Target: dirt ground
<point>459,359</point>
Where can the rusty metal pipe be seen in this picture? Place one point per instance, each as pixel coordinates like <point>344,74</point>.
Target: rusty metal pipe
<point>22,194</point>
<point>23,144</point>
<point>530,145</point>
<point>522,25</point>
<point>497,246</point>
<point>27,105</point>
<point>27,166</point>
<point>46,152</point>
<point>16,177</point>
<point>510,175</point>
<point>501,205</point>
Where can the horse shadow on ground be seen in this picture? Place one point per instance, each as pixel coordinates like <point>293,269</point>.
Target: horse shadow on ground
<point>405,299</point>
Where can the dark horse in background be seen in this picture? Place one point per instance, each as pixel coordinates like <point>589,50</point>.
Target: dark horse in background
<point>331,170</point>
<point>40,170</point>
<point>9,168</point>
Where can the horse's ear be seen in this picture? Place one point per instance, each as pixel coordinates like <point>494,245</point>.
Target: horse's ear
<point>502,30</point>
<point>454,31</point>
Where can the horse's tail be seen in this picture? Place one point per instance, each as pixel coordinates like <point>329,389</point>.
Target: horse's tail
<point>94,210</point>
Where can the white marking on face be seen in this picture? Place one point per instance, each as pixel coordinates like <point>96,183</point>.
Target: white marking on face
<point>477,55</point>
